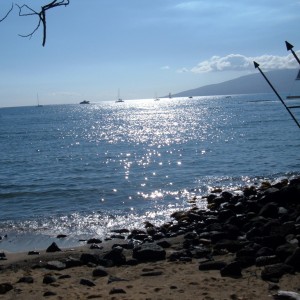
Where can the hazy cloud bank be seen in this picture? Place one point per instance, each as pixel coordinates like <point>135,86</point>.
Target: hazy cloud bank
<point>238,62</point>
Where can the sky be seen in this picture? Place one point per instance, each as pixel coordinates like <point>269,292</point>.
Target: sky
<point>142,48</point>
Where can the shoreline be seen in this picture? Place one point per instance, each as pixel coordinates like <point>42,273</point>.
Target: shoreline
<point>243,247</point>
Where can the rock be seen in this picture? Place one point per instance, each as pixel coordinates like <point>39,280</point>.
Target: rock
<point>149,252</point>
<point>128,246</point>
<point>116,291</point>
<point>266,260</point>
<point>275,271</point>
<point>61,236</point>
<point>284,251</point>
<point>2,256</point>
<point>286,295</point>
<point>48,294</point>
<point>96,246</point>
<point>164,244</point>
<point>49,279</point>
<point>115,279</point>
<point>94,241</point>
<point>86,258</point>
<point>123,230</point>
<point>55,265</point>
<point>99,272</point>
<point>72,262</point>
<point>65,276</point>
<point>294,260</point>
<point>33,253</point>
<point>270,210</point>
<point>26,279</point>
<point>233,269</point>
<point>152,273</point>
<point>132,262</point>
<point>212,265</point>
<point>87,282</point>
<point>230,245</point>
<point>5,287</point>
<point>116,256</point>
<point>53,248</point>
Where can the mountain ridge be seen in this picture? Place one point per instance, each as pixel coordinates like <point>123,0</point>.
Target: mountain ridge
<point>282,80</point>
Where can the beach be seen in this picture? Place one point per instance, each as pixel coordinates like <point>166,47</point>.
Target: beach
<point>244,246</point>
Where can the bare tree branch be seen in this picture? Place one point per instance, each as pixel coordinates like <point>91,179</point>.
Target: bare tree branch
<point>25,11</point>
<point>12,6</point>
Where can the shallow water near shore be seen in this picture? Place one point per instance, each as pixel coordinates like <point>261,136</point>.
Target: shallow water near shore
<point>83,170</point>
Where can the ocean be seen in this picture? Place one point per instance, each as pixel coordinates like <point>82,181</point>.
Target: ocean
<point>84,170</point>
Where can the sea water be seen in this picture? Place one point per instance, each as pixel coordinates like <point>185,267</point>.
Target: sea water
<point>83,170</point>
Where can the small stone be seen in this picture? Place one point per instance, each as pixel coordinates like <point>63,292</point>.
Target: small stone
<point>153,273</point>
<point>48,293</point>
<point>5,287</point>
<point>114,279</point>
<point>100,272</point>
<point>33,253</point>
<point>48,279</point>
<point>87,282</point>
<point>26,279</point>
<point>94,241</point>
<point>117,291</point>
<point>55,265</point>
<point>61,236</point>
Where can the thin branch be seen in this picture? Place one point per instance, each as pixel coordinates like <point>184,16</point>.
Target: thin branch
<point>41,15</point>
<point>12,6</point>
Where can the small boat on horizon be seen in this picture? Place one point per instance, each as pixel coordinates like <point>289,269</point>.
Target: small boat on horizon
<point>38,101</point>
<point>119,99</point>
<point>84,102</point>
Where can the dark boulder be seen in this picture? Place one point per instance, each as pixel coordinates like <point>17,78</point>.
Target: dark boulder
<point>49,279</point>
<point>55,265</point>
<point>276,271</point>
<point>94,241</point>
<point>53,248</point>
<point>99,272</point>
<point>149,252</point>
<point>87,282</point>
<point>86,258</point>
<point>116,256</point>
<point>26,279</point>
<point>267,260</point>
<point>212,265</point>
<point>5,287</point>
<point>233,269</point>
<point>284,251</point>
<point>294,260</point>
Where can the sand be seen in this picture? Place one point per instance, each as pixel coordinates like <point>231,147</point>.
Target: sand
<point>169,280</point>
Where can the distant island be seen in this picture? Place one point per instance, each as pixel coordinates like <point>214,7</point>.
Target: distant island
<point>283,80</point>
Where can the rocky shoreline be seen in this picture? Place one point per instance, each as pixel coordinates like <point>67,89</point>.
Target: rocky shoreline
<point>255,231</point>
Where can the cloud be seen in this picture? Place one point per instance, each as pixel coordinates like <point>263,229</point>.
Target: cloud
<point>165,68</point>
<point>182,70</point>
<point>239,62</point>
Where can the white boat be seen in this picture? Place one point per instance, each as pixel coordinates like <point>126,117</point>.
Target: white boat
<point>38,101</point>
<point>119,99</point>
<point>84,102</point>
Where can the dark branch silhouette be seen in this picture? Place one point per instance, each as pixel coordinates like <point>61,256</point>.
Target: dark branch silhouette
<point>25,11</point>
<point>12,6</point>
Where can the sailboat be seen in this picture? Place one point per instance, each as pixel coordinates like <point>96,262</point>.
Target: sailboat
<point>156,98</point>
<point>295,96</point>
<point>38,101</point>
<point>119,98</point>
